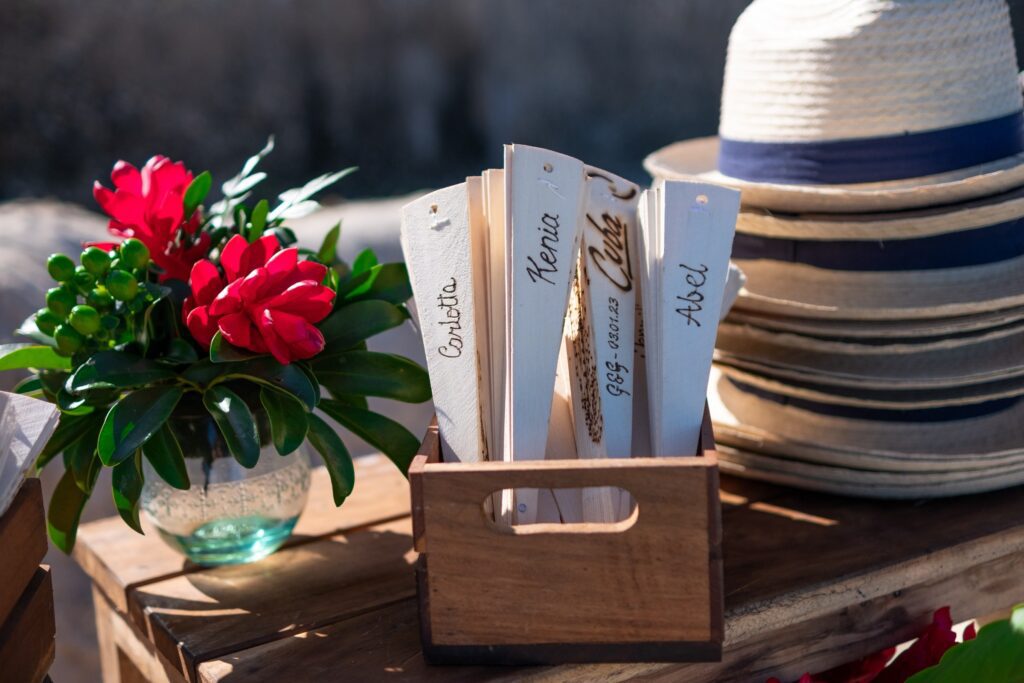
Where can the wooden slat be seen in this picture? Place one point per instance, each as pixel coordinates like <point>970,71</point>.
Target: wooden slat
<point>118,560</point>
<point>874,574</point>
<point>196,616</point>
<point>23,531</point>
<point>27,643</point>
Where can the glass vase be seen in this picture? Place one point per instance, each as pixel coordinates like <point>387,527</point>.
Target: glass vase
<point>230,514</point>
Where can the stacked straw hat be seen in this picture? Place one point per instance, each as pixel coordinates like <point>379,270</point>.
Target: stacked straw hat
<point>878,346</point>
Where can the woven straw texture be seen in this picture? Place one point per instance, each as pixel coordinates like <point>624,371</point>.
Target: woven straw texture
<point>810,71</point>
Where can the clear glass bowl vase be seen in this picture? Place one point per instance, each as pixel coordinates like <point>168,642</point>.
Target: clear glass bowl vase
<point>230,514</point>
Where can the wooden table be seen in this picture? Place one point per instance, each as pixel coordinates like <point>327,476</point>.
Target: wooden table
<point>811,581</point>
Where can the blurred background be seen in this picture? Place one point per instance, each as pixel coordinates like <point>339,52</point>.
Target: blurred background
<point>417,93</point>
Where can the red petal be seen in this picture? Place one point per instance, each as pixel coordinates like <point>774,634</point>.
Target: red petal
<point>308,299</point>
<point>239,331</point>
<point>126,177</point>
<point>258,253</point>
<point>274,343</point>
<point>205,281</point>
<point>303,339</point>
<point>231,257</point>
<point>254,286</point>
<point>202,325</point>
<point>228,301</point>
<point>283,262</point>
<point>971,632</point>
<point>305,270</point>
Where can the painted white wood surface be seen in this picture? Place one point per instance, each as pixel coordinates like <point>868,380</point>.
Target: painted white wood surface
<point>544,198</point>
<point>687,248</point>
<point>437,243</point>
<point>26,424</point>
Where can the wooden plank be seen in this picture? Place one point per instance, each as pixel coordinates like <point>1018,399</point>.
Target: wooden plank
<point>544,193</point>
<point>27,643</point>
<point>23,527</point>
<point>194,617</point>
<point>126,654</point>
<point>117,559</point>
<point>824,621</point>
<point>438,247</point>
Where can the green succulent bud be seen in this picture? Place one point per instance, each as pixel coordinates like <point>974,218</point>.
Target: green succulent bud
<point>60,267</point>
<point>85,319</point>
<point>122,285</point>
<point>100,299</point>
<point>134,254</point>
<point>96,261</point>
<point>60,301</point>
<point>110,322</point>
<point>47,321</point>
<point>83,279</point>
<point>68,339</point>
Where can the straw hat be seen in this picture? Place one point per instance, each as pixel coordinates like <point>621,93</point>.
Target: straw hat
<point>903,454</point>
<point>863,105</point>
<point>923,328</point>
<point>883,399</point>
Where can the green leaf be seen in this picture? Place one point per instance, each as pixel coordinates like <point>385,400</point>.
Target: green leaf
<point>237,188</point>
<point>133,419</point>
<point>29,385</point>
<point>236,424</point>
<point>21,356</point>
<point>179,352</point>
<point>996,655</point>
<point>164,453</point>
<point>65,511</point>
<point>126,482</point>
<point>30,330</point>
<point>204,372</point>
<point>293,201</point>
<point>388,281</point>
<point>81,459</point>
<point>70,428</point>
<point>288,423</point>
<point>258,220</point>
<point>364,261</point>
<point>197,191</point>
<point>222,351</point>
<point>351,400</point>
<point>266,370</point>
<point>391,438</point>
<point>352,323</point>
<point>367,373</point>
<point>114,369</point>
<point>335,456</point>
<point>329,248</point>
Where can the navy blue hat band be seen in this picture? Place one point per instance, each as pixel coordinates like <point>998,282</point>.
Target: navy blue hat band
<point>972,247</point>
<point>943,414</point>
<point>867,160</point>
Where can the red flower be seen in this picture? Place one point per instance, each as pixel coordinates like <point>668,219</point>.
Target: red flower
<point>267,300</point>
<point>149,205</point>
<point>926,651</point>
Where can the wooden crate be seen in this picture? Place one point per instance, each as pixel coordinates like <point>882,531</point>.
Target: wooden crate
<point>27,626</point>
<point>645,589</point>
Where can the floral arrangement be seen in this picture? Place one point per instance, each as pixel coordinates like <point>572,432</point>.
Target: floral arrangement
<point>216,307</point>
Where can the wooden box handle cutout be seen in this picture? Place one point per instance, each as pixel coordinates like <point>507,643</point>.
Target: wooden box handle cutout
<point>561,528</point>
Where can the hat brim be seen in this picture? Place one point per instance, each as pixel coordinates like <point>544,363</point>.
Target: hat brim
<point>922,328</point>
<point>883,399</point>
<point>860,483</point>
<point>698,159</point>
<point>971,438</point>
<point>799,290</point>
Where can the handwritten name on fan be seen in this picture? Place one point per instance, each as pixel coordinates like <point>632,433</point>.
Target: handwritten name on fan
<point>695,278</point>
<point>448,301</point>
<point>614,251</point>
<point>548,250</point>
